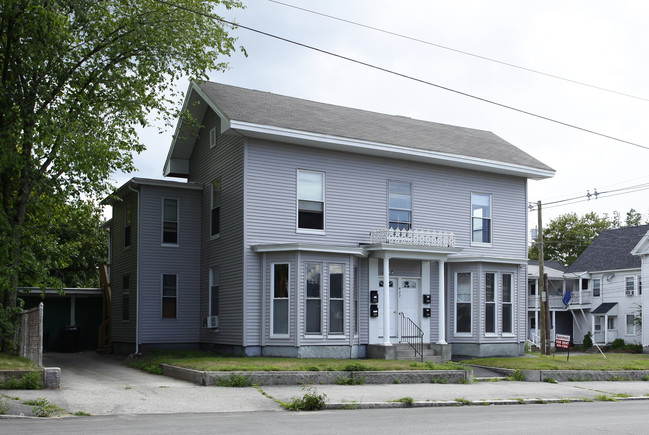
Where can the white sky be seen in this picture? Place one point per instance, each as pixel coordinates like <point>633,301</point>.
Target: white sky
<point>598,42</point>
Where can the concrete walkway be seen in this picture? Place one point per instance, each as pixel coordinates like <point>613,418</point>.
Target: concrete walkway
<point>103,385</point>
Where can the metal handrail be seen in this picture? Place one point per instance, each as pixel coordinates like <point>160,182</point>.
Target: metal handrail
<point>412,334</point>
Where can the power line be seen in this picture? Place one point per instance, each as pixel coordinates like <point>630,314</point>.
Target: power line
<point>587,197</point>
<point>402,75</point>
<point>511,65</point>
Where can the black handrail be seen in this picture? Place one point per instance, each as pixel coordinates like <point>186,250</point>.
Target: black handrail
<point>413,335</point>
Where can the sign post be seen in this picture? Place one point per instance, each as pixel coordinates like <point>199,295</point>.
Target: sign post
<point>562,342</point>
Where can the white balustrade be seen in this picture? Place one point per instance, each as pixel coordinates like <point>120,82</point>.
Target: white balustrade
<point>438,239</point>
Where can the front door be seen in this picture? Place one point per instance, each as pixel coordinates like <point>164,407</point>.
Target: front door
<point>404,298</point>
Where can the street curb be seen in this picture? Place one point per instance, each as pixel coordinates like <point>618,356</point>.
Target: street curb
<point>456,403</point>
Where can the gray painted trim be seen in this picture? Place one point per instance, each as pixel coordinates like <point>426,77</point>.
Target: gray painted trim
<point>486,259</point>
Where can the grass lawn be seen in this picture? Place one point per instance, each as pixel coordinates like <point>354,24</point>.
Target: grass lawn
<point>12,362</point>
<point>212,362</point>
<point>613,361</point>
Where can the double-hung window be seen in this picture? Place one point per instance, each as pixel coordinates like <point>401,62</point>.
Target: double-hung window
<point>400,205</point>
<point>630,285</point>
<point>490,303</point>
<point>314,298</point>
<point>356,306</point>
<point>215,216</point>
<point>507,302</point>
<point>463,301</point>
<point>169,296</point>
<point>280,305</point>
<point>310,200</point>
<point>336,298</point>
<point>215,282</point>
<point>597,287</point>
<point>639,277</point>
<point>169,221</point>
<point>480,218</point>
<point>630,324</point>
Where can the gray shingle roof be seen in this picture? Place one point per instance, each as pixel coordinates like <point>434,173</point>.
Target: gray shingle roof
<point>604,308</point>
<point>264,108</point>
<point>611,250</point>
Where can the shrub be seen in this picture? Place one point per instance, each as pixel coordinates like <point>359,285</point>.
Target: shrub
<point>408,401</point>
<point>357,367</point>
<point>618,343</point>
<point>588,341</point>
<point>516,376</point>
<point>350,380</point>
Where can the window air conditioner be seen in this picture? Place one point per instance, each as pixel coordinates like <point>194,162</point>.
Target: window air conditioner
<point>629,292</point>
<point>211,322</point>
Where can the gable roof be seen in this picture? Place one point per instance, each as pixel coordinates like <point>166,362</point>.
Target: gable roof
<point>611,250</point>
<point>277,117</point>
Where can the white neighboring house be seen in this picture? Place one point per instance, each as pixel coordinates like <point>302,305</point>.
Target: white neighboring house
<point>642,250</point>
<point>606,282</point>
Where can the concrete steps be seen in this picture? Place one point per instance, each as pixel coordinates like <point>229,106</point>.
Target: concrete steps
<point>404,352</point>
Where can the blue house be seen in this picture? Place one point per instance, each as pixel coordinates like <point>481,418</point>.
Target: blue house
<point>311,230</point>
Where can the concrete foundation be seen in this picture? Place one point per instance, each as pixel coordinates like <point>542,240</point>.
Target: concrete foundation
<point>486,350</point>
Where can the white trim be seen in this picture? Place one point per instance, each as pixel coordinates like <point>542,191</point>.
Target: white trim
<point>319,140</point>
<point>490,219</point>
<point>272,301</point>
<point>486,259</point>
<point>455,302</point>
<point>162,226</point>
<point>321,298</point>
<point>305,247</point>
<point>298,229</point>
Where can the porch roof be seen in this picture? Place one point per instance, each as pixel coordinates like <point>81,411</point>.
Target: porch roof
<point>392,250</point>
<point>604,308</point>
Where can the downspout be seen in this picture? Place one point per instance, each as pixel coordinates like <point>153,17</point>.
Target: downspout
<point>137,271</point>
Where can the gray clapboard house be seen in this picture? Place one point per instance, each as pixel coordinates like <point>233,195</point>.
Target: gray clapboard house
<point>312,230</point>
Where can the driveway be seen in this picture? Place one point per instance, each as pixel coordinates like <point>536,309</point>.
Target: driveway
<point>103,385</point>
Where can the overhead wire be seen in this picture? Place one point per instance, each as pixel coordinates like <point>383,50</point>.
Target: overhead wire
<point>444,47</point>
<point>402,75</point>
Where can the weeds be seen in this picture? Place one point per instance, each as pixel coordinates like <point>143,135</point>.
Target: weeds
<point>360,380</point>
<point>438,380</point>
<point>4,406</point>
<point>605,398</point>
<point>43,408</point>
<point>408,401</point>
<point>463,401</point>
<point>516,376</point>
<point>549,380</point>
<point>233,381</point>
<point>310,401</point>
<point>30,381</point>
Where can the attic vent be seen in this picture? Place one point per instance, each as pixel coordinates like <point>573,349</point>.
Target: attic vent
<point>213,137</point>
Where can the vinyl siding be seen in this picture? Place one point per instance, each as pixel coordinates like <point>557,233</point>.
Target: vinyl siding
<point>181,260</point>
<point>225,161</point>
<point>124,262</point>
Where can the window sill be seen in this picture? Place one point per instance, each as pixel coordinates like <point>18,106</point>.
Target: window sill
<point>508,334</point>
<point>481,244</point>
<point>463,334</point>
<point>215,236</point>
<point>170,245</point>
<point>312,232</point>
<point>279,336</point>
<point>318,336</point>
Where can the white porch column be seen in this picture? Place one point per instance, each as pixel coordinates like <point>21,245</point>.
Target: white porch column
<point>441,339</point>
<point>605,326</point>
<point>536,314</point>
<point>386,302</point>
<point>592,327</point>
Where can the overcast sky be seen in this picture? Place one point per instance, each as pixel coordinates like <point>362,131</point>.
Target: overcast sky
<point>602,43</point>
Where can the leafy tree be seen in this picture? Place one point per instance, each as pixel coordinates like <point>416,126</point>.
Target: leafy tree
<point>567,236</point>
<point>76,78</point>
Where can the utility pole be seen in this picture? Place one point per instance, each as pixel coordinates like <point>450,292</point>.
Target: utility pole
<point>545,349</point>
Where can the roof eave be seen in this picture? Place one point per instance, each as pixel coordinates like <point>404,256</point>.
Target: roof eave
<point>318,140</point>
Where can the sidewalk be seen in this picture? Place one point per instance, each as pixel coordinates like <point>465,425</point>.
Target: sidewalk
<point>104,385</point>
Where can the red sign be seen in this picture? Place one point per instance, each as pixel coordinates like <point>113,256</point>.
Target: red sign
<point>562,341</point>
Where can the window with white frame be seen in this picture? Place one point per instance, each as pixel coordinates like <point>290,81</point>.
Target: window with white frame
<point>508,303</point>
<point>630,324</point>
<point>280,292</point>
<point>629,285</point>
<point>490,303</point>
<point>213,138</point>
<point>463,302</point>
<point>128,220</point>
<point>314,298</point>
<point>215,215</point>
<point>126,297</point>
<point>356,306</point>
<point>169,221</point>
<point>310,200</point>
<point>639,278</point>
<point>598,323</point>
<point>215,283</point>
<point>336,298</point>
<point>400,205</point>
<point>611,323</point>
<point>169,296</point>
<point>597,287</point>
<point>481,218</point>
<point>532,285</point>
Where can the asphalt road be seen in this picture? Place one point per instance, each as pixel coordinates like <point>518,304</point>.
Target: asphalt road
<point>571,418</point>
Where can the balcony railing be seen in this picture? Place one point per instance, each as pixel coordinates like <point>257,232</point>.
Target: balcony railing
<point>438,239</point>
<point>556,301</point>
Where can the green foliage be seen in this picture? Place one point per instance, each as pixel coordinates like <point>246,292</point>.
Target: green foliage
<point>235,381</point>
<point>438,380</point>
<point>549,380</point>
<point>618,343</point>
<point>605,398</point>
<point>30,381</point>
<point>351,380</point>
<point>588,341</point>
<point>43,408</point>
<point>4,406</point>
<point>516,376</point>
<point>358,367</point>
<point>310,401</point>
<point>78,77</point>
<point>408,401</point>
